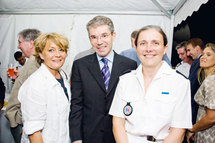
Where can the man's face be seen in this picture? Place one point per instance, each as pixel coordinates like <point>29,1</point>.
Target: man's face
<point>192,51</point>
<point>21,60</point>
<point>101,39</point>
<point>25,47</point>
<point>182,54</point>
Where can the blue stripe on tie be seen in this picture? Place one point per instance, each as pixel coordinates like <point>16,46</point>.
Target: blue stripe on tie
<point>105,72</point>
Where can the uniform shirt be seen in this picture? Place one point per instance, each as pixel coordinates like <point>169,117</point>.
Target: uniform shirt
<point>183,68</point>
<point>166,103</point>
<point>45,107</point>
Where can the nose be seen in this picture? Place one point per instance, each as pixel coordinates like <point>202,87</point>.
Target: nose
<point>188,53</point>
<point>57,53</point>
<point>99,40</point>
<point>149,47</point>
<point>18,46</point>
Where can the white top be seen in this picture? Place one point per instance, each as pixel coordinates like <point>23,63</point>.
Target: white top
<point>183,68</point>
<point>166,103</point>
<point>45,107</point>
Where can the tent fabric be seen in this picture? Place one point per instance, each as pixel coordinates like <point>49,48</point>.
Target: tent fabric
<point>187,10</point>
<point>69,17</point>
<point>101,7</point>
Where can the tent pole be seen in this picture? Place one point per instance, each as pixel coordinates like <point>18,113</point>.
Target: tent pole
<point>162,8</point>
<point>178,6</point>
<point>170,45</point>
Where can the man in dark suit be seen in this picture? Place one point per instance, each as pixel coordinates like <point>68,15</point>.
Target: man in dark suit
<point>195,47</point>
<point>91,97</point>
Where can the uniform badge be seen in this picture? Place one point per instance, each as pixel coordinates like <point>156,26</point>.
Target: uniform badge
<point>127,110</point>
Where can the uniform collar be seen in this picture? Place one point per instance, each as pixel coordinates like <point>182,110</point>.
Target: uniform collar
<point>164,70</point>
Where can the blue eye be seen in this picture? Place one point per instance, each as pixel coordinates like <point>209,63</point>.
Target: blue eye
<point>62,50</point>
<point>51,50</point>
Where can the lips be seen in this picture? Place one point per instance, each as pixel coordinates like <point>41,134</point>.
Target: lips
<point>149,55</point>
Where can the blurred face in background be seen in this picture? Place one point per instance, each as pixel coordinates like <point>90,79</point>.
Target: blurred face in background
<point>101,40</point>
<point>150,48</point>
<point>21,60</point>
<point>208,58</point>
<point>192,51</point>
<point>26,47</point>
<point>53,56</point>
<point>182,54</point>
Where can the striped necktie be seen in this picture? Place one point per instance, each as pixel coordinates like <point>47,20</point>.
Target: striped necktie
<point>105,72</point>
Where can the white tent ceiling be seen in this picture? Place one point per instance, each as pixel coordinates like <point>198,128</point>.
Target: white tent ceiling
<point>69,17</point>
<point>180,9</point>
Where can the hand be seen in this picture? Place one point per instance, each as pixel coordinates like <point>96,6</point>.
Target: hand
<point>189,136</point>
<point>14,75</point>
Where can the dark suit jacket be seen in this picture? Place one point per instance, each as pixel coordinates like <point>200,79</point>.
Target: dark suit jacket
<point>194,84</point>
<point>2,93</point>
<point>89,118</point>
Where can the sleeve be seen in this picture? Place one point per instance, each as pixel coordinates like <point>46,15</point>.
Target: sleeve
<point>75,119</point>
<point>118,104</point>
<point>182,111</point>
<point>2,93</point>
<point>33,107</point>
<point>13,111</point>
<point>209,91</point>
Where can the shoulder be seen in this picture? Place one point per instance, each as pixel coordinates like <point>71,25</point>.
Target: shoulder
<point>123,58</point>
<point>210,80</point>
<point>84,53</point>
<point>131,50</point>
<point>30,66</point>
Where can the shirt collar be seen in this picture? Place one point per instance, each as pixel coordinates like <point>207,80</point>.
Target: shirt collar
<point>109,57</point>
<point>48,75</point>
<point>164,69</point>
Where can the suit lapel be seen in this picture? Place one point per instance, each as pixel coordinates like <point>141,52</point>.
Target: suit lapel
<point>94,69</point>
<point>116,72</point>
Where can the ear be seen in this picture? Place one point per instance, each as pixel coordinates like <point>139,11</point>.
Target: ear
<point>32,43</point>
<point>165,49</point>
<point>114,35</point>
<point>41,56</point>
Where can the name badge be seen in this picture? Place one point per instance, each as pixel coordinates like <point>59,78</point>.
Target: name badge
<point>127,110</point>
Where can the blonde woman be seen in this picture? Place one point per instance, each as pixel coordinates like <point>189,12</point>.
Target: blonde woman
<point>45,95</point>
<point>204,128</point>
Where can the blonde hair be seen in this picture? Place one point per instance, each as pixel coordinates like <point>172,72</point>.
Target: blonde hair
<point>40,43</point>
<point>201,73</point>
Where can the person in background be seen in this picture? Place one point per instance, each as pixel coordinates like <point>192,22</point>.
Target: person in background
<point>2,93</point>
<point>184,66</point>
<point>132,54</point>
<point>84,53</point>
<point>152,103</point>
<point>194,48</point>
<point>204,127</point>
<point>13,112</point>
<point>45,96</point>
<point>19,58</point>
<point>18,66</point>
<point>93,83</point>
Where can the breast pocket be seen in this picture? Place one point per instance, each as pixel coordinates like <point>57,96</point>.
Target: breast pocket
<point>162,106</point>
